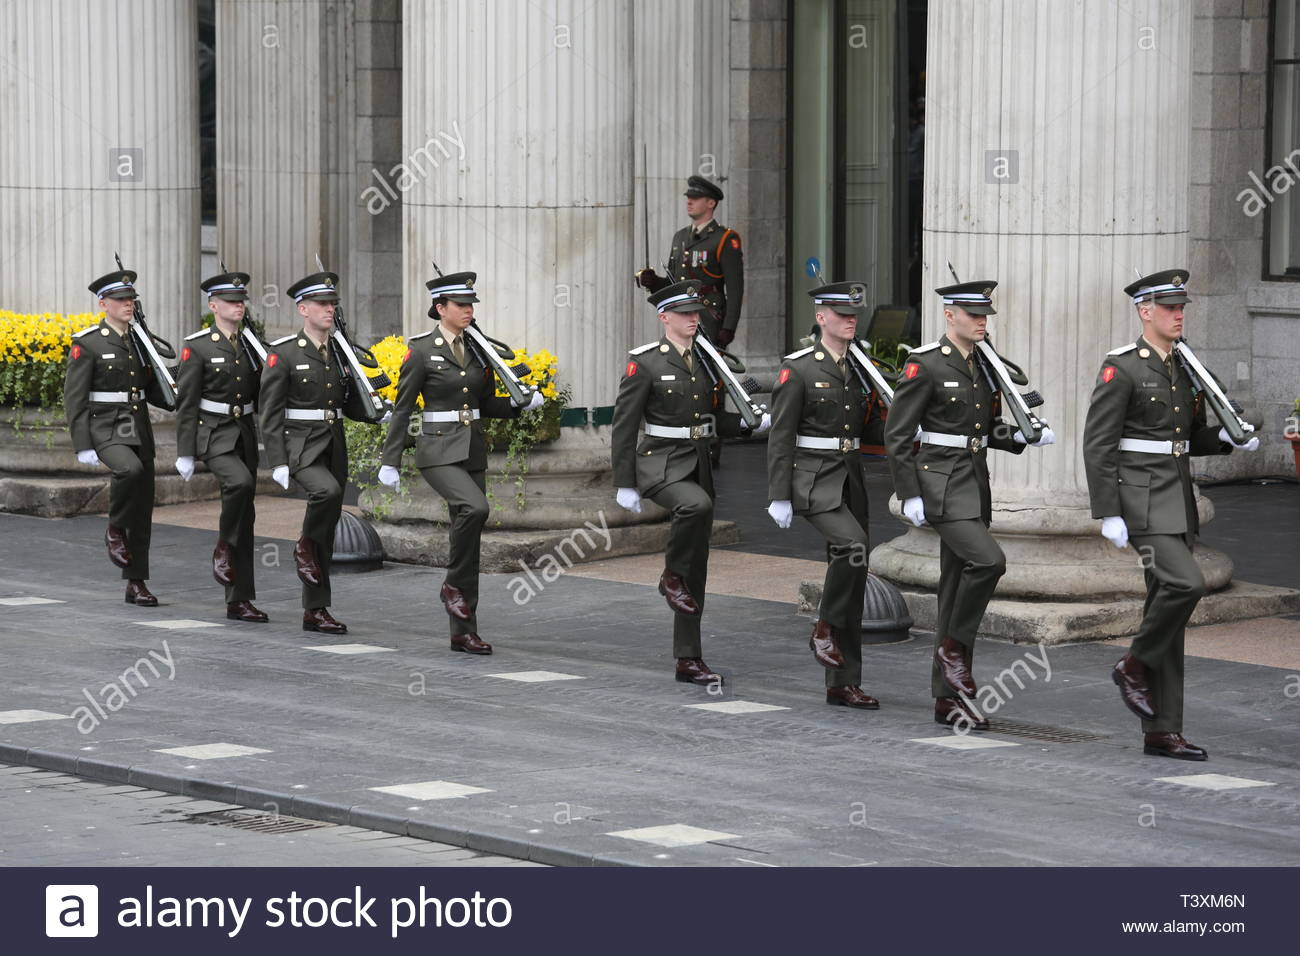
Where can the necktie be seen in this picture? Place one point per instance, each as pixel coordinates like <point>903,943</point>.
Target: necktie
<point>458,349</point>
<point>839,363</point>
<point>324,354</point>
<point>690,360</point>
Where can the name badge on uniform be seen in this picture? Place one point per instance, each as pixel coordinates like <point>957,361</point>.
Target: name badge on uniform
<point>821,384</point>
<point>667,378</point>
<point>217,361</point>
<point>437,358</point>
<point>952,384</point>
<point>301,368</point>
<point>1150,385</point>
<point>108,355</point>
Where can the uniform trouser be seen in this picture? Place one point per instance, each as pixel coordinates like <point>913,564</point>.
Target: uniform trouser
<point>130,503</point>
<point>970,564</point>
<point>467,506</point>
<point>847,546</point>
<point>324,480</point>
<point>1174,585</point>
<point>688,554</point>
<point>236,472</point>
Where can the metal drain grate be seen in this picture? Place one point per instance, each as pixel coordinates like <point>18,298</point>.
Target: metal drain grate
<point>1056,735</point>
<point>256,821</point>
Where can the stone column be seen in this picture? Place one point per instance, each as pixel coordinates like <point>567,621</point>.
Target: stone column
<point>286,132</point>
<point>1055,167</point>
<point>99,153</point>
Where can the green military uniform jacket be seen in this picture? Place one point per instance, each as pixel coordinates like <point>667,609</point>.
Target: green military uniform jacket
<point>937,392</point>
<point>212,368</point>
<point>714,260</point>
<point>1135,398</point>
<point>813,398</point>
<point>296,377</point>
<point>100,360</point>
<point>430,370</point>
<point>659,388</point>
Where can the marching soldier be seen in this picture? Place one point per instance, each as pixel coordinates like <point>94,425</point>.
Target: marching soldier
<point>107,393</point>
<point>664,384</point>
<point>217,389</point>
<point>819,411</point>
<point>458,389</point>
<point>1144,421</point>
<point>305,394</point>
<point>946,482</point>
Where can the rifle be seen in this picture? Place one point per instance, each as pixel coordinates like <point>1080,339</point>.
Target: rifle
<point>1204,383</point>
<point>356,360</point>
<point>751,412</point>
<point>491,354</point>
<point>253,344</point>
<point>864,365</point>
<point>151,350</point>
<point>1004,376</point>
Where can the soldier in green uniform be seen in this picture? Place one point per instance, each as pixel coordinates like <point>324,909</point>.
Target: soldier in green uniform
<point>216,391</point>
<point>305,394</point>
<point>106,394</point>
<point>665,385</point>
<point>819,411</point>
<point>458,389</point>
<point>1144,421</point>
<point>944,402</point>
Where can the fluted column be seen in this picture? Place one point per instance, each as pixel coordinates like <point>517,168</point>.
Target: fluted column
<point>517,129</point>
<point>1056,167</point>
<point>286,134</point>
<point>99,152</point>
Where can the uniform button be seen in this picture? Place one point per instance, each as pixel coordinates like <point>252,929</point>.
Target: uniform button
<point>133,374</point>
<point>977,404</point>
<point>977,426</point>
<point>953,399</point>
<point>1153,398</point>
<point>846,408</point>
<point>695,397</point>
<point>238,379</point>
<point>925,467</point>
<point>462,372</point>
<point>846,427</point>
<point>465,389</point>
<point>1173,388</point>
<point>1176,408</point>
<point>135,408</point>
<point>692,378</point>
<point>697,414</point>
<point>1178,429</point>
<point>329,384</point>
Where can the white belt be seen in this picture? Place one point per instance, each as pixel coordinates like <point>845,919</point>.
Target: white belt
<point>313,414</point>
<point>464,416</point>
<point>220,408</point>
<point>827,444</point>
<point>117,398</point>
<point>1153,447</point>
<point>951,441</point>
<point>686,431</point>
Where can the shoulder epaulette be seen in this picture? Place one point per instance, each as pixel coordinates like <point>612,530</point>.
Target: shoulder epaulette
<point>420,335</point>
<point>924,348</point>
<point>198,335</point>
<point>1122,349</point>
<point>86,331</point>
<point>795,355</point>
<point>642,348</point>
<point>281,341</point>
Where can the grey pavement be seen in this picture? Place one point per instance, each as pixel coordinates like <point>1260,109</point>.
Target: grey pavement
<point>54,819</point>
<point>578,770</point>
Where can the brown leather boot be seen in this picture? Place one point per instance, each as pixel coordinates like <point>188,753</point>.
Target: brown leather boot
<point>951,658</point>
<point>822,644</point>
<point>672,587</point>
<point>223,564</point>
<point>304,556</point>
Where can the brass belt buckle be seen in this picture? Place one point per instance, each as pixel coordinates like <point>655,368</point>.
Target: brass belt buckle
<point>464,416</point>
<point>846,444</point>
<point>1180,448</point>
<point>331,415</point>
<point>976,443</point>
<point>697,431</point>
<point>236,411</point>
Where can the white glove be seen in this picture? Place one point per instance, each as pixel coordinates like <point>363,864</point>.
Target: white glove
<point>914,510</point>
<point>1115,531</point>
<point>185,467</point>
<point>280,475</point>
<point>537,401</point>
<point>782,513</point>
<point>1048,437</point>
<point>630,499</point>
<point>388,475</point>
<point>763,426</point>
<point>88,457</point>
<point>1249,445</point>
<point>388,416</point>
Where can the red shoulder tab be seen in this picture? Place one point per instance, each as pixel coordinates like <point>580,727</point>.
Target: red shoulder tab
<point>630,370</point>
<point>910,370</point>
<point>783,377</point>
<point>185,354</point>
<point>76,351</point>
<point>407,357</point>
<point>735,242</point>
<point>272,359</point>
<point>1107,373</point>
